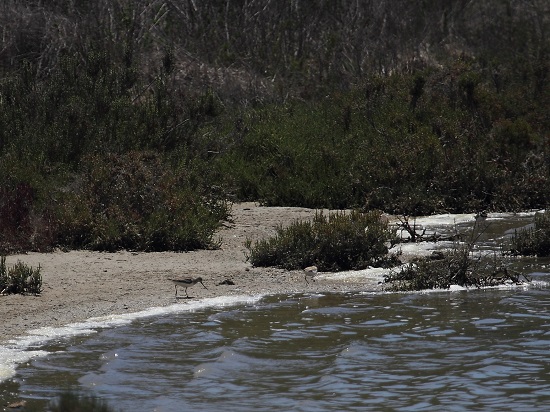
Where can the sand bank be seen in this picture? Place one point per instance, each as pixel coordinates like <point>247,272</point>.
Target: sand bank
<point>78,285</point>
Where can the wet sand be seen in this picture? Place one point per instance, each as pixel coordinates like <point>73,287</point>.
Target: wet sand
<point>78,285</point>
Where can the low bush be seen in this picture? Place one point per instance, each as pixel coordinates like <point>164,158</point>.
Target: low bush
<point>140,200</point>
<point>337,241</point>
<point>457,266</point>
<point>136,202</point>
<point>19,279</point>
<point>534,241</point>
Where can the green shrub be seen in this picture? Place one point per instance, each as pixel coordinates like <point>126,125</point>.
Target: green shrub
<point>339,241</point>
<point>20,278</point>
<point>459,266</point>
<point>370,148</point>
<point>534,241</point>
<point>136,202</point>
<point>454,267</point>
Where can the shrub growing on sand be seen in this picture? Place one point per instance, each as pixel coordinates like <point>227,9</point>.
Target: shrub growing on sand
<point>135,202</point>
<point>535,240</point>
<point>457,266</point>
<point>20,278</point>
<point>337,241</point>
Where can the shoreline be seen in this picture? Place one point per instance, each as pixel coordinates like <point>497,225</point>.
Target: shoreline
<point>79,285</point>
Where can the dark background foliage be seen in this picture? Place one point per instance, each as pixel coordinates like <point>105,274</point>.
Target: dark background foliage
<point>134,123</point>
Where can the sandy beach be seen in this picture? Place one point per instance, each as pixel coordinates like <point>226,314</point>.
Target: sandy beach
<point>78,285</point>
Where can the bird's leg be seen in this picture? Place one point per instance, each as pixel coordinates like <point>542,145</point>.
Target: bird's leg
<point>306,279</point>
<point>176,287</point>
<point>186,293</point>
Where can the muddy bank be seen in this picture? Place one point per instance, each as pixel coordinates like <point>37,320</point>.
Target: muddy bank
<point>78,285</point>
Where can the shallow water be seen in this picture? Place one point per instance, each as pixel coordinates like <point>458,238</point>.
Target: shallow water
<point>462,350</point>
<point>448,350</point>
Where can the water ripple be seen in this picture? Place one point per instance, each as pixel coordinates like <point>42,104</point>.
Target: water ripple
<point>481,350</point>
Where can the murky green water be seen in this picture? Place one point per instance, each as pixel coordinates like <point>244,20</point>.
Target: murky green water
<point>455,351</point>
<point>482,350</point>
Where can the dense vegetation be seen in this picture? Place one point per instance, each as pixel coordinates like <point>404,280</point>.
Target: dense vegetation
<point>458,266</point>
<point>461,265</point>
<point>134,123</point>
<point>533,241</point>
<point>339,241</point>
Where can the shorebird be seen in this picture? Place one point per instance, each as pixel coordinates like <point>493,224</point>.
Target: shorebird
<point>186,283</point>
<point>310,271</point>
<point>481,215</point>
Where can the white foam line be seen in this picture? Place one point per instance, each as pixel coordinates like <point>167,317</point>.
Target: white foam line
<point>370,273</point>
<point>421,248</point>
<point>443,220</point>
<point>16,351</point>
<point>10,358</point>
<point>506,286</point>
<point>449,219</point>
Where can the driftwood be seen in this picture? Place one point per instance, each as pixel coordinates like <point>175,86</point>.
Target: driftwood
<point>503,275</point>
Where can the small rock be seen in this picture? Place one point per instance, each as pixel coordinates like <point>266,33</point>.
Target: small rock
<point>17,405</point>
<point>437,255</point>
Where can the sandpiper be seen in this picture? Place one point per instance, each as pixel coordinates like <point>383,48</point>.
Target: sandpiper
<point>186,283</point>
<point>310,271</point>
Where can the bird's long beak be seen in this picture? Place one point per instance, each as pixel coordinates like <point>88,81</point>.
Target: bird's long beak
<point>203,285</point>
